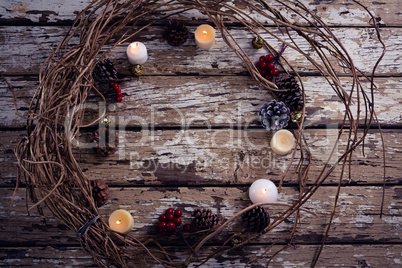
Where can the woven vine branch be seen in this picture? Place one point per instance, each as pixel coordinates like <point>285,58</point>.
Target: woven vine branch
<point>45,156</point>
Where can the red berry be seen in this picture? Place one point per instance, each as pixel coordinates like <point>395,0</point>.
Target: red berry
<point>119,94</point>
<point>263,71</point>
<point>162,226</point>
<point>170,226</point>
<point>177,213</point>
<point>169,211</point>
<point>269,58</point>
<point>270,66</point>
<point>177,221</point>
<point>162,218</point>
<point>262,65</point>
<point>262,59</point>
<point>112,84</point>
<point>169,217</point>
<point>268,77</point>
<point>274,72</point>
<point>116,87</point>
<point>118,99</point>
<point>187,227</point>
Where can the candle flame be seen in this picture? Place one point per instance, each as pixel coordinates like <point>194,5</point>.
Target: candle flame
<point>204,32</point>
<point>133,45</point>
<point>284,141</point>
<point>264,190</point>
<point>118,221</point>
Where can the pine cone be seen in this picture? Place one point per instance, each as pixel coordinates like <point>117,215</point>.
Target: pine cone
<point>100,192</point>
<point>103,145</point>
<point>105,71</point>
<point>176,33</point>
<point>256,219</point>
<point>204,219</point>
<point>292,96</point>
<point>274,115</point>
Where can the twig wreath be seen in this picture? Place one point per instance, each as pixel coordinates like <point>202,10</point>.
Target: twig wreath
<point>53,176</point>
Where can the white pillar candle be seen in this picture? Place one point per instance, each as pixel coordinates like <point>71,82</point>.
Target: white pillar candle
<point>282,142</point>
<point>263,190</point>
<point>121,221</point>
<point>205,36</point>
<point>137,53</point>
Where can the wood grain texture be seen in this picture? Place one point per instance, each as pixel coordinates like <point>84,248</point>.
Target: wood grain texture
<point>294,257</point>
<point>218,157</point>
<point>203,101</point>
<point>357,219</point>
<point>213,163</point>
<point>333,12</point>
<point>35,43</point>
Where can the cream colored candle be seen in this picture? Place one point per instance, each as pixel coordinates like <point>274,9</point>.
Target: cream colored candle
<point>282,142</point>
<point>205,36</point>
<point>137,53</point>
<point>121,221</point>
<point>263,190</point>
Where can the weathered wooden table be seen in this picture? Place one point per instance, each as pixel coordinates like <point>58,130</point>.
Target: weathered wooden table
<point>189,138</point>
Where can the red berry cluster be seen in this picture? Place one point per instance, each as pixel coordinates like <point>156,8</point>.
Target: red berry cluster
<point>117,90</point>
<point>169,221</point>
<point>266,67</point>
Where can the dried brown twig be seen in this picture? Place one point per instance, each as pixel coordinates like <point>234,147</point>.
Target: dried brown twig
<point>45,156</point>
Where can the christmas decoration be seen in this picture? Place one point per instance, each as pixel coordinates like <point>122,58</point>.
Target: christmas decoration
<point>296,116</point>
<point>169,221</point>
<point>100,192</point>
<point>266,67</point>
<point>53,99</point>
<point>204,219</point>
<point>104,146</point>
<point>176,33</point>
<point>117,90</point>
<point>257,42</point>
<point>105,71</point>
<point>274,115</point>
<point>236,242</point>
<point>256,219</point>
<point>105,121</point>
<point>137,70</point>
<point>291,94</point>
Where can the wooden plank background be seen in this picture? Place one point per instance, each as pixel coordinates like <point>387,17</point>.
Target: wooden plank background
<point>189,137</point>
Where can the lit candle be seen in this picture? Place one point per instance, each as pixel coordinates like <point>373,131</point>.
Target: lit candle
<point>205,36</point>
<point>121,221</point>
<point>137,53</point>
<point>263,190</point>
<point>282,142</point>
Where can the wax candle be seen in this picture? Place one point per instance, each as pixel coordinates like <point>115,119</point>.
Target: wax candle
<point>282,142</point>
<point>204,36</point>
<point>263,190</point>
<point>121,221</point>
<point>137,53</point>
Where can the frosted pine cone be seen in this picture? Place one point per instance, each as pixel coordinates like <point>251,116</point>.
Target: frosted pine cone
<point>274,115</point>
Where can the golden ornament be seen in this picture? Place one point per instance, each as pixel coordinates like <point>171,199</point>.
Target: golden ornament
<point>296,116</point>
<point>105,121</point>
<point>137,70</point>
<point>258,42</point>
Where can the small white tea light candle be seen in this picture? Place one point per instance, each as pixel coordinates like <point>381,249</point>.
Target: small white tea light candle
<point>137,53</point>
<point>205,36</point>
<point>282,142</point>
<point>263,190</point>
<point>121,221</point>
